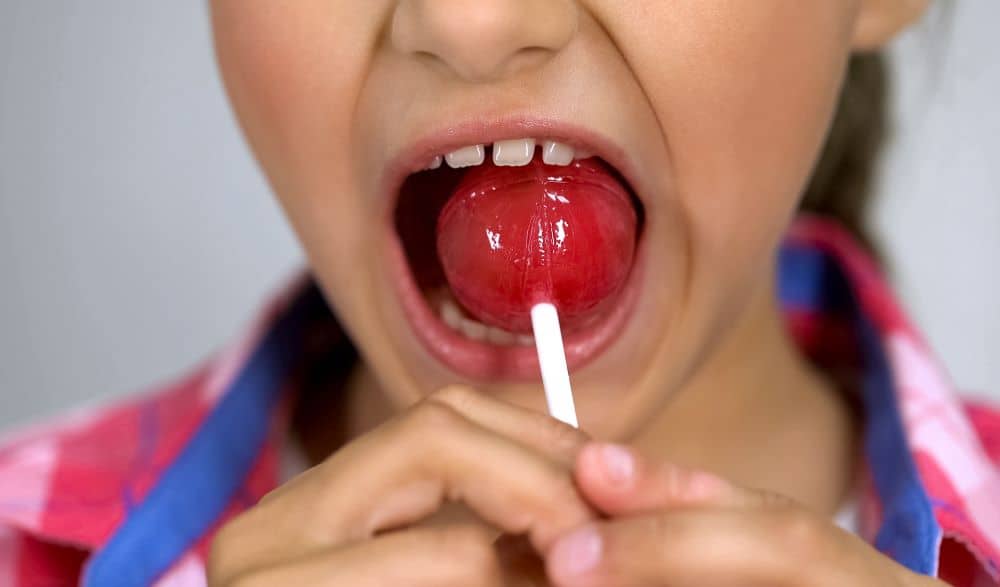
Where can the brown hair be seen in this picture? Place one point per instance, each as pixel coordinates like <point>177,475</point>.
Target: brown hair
<point>841,186</point>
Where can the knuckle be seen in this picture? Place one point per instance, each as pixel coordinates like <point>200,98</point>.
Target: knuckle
<point>430,417</point>
<point>458,397</point>
<point>428,426</point>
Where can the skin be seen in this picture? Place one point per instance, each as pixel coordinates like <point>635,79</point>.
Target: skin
<point>722,107</point>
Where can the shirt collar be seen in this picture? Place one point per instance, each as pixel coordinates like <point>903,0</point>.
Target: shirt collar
<point>931,477</point>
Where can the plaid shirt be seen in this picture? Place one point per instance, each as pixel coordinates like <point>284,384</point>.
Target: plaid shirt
<point>131,494</point>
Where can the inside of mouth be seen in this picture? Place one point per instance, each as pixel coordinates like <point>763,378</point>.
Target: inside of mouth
<point>418,222</point>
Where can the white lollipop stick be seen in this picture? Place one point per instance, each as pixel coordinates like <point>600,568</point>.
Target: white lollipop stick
<point>552,359</point>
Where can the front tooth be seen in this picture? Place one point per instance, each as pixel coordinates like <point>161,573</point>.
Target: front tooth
<point>451,315</point>
<point>466,157</point>
<point>474,330</point>
<point>555,153</point>
<point>500,336</point>
<point>525,340</point>
<point>513,153</point>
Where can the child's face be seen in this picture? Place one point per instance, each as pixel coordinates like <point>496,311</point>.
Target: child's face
<point>717,107</point>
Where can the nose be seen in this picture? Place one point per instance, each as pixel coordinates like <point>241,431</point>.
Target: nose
<point>484,40</point>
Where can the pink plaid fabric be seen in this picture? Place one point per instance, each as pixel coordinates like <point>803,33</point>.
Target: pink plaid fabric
<point>68,486</point>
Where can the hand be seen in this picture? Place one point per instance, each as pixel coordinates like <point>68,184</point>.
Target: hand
<point>669,526</point>
<point>352,519</point>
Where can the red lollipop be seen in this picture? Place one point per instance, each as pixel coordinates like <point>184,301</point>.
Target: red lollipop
<point>512,237</point>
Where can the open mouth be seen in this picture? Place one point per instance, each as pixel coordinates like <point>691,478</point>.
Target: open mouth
<point>484,232</point>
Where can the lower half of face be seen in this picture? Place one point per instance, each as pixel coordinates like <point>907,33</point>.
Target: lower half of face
<point>446,164</point>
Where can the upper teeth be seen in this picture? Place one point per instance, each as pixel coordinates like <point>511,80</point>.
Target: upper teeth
<point>466,157</point>
<point>515,153</point>
<point>554,153</point>
<point>508,153</point>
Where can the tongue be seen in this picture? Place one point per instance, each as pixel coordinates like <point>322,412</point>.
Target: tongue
<point>512,237</point>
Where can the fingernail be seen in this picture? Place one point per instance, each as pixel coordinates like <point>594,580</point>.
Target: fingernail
<point>618,463</point>
<point>576,553</point>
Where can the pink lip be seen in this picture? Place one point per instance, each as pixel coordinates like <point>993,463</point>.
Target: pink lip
<point>481,360</point>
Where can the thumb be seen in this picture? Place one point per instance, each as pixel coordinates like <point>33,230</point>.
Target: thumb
<point>617,480</point>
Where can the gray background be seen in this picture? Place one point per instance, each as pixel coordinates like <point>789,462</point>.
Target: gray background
<point>136,234</point>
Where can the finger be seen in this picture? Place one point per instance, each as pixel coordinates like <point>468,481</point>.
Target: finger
<point>455,556</point>
<point>707,547</point>
<point>402,472</point>
<point>617,480</point>
<point>558,440</point>
<point>536,430</point>
<point>412,465</point>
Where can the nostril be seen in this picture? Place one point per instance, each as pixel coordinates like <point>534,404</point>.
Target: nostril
<point>528,58</point>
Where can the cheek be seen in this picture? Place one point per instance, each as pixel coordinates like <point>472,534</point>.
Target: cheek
<point>744,92</point>
<point>293,72</point>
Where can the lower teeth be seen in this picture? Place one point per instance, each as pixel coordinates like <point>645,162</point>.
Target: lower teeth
<point>454,318</point>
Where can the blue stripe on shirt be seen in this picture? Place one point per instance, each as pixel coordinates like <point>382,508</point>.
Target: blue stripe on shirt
<point>198,486</point>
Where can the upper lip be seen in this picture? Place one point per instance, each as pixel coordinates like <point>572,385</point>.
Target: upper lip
<point>487,130</point>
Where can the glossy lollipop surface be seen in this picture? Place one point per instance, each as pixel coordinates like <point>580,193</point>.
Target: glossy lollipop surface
<point>511,237</point>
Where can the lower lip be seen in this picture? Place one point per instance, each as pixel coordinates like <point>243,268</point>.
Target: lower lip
<point>483,361</point>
